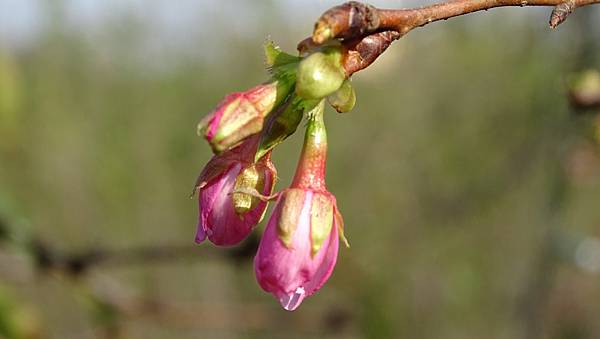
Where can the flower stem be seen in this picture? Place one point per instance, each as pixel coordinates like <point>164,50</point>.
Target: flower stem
<point>310,172</point>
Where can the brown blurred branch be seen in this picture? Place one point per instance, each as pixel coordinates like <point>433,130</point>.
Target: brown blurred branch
<point>367,31</point>
<point>126,304</point>
<point>48,258</point>
<point>113,303</point>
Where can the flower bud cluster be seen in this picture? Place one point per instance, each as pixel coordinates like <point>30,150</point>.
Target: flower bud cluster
<point>299,247</point>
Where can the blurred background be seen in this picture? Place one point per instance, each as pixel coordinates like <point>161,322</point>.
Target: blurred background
<point>469,185</point>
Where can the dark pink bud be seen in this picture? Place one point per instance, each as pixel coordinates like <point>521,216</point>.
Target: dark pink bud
<point>228,214</point>
<point>241,114</point>
<point>299,248</point>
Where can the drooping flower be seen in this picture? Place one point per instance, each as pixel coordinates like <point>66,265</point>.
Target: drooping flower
<point>299,248</point>
<point>227,193</point>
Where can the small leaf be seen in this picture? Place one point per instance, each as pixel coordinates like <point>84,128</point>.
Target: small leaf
<point>280,64</point>
<point>276,57</point>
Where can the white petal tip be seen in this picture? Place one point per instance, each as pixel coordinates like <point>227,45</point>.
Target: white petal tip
<point>293,300</point>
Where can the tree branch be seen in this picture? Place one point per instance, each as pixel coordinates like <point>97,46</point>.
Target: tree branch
<point>48,258</point>
<point>367,31</point>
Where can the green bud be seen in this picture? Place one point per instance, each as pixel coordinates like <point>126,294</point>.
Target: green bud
<point>344,99</point>
<point>320,74</point>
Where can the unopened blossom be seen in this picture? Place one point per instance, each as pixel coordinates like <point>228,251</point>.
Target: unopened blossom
<point>299,248</point>
<point>227,193</point>
<point>241,114</point>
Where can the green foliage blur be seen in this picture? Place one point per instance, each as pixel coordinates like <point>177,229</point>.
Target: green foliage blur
<point>468,186</point>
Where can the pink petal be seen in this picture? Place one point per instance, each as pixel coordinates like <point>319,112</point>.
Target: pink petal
<point>292,274</point>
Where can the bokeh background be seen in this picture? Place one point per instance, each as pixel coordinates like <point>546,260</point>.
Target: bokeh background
<point>469,187</point>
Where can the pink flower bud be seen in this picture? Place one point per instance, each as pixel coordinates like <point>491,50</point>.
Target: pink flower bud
<point>241,114</point>
<point>299,248</point>
<point>228,209</point>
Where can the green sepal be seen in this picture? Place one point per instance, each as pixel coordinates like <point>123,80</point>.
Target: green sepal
<point>292,203</point>
<point>285,86</point>
<point>252,177</point>
<point>273,170</point>
<point>283,123</point>
<point>339,222</point>
<point>321,221</point>
<point>281,65</point>
<point>344,99</point>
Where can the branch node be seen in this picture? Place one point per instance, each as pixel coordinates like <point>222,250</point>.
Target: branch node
<point>561,12</point>
<point>366,31</point>
<point>347,21</point>
<point>364,53</point>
